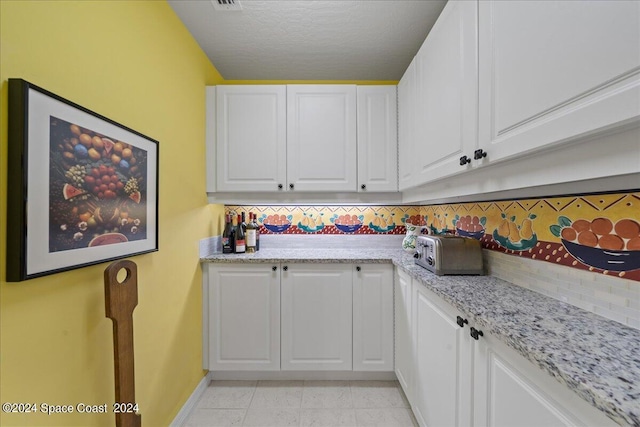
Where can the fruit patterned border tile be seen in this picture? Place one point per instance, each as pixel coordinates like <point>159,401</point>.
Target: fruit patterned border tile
<point>292,219</point>
<point>599,233</point>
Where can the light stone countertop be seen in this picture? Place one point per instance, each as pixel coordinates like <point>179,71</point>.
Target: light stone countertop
<point>597,358</point>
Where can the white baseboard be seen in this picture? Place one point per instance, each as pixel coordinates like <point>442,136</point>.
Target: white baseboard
<point>302,375</point>
<point>192,401</point>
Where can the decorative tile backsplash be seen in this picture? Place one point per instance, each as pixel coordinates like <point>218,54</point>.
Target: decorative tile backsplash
<point>332,219</point>
<point>599,233</point>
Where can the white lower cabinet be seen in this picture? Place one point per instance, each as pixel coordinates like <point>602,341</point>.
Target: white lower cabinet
<point>459,380</point>
<point>442,368</point>
<point>403,339</point>
<point>510,391</point>
<point>316,317</point>
<point>244,317</point>
<point>299,317</point>
<point>373,318</point>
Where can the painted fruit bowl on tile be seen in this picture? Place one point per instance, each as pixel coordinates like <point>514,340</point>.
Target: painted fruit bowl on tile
<point>309,224</point>
<point>347,223</point>
<point>276,223</point>
<point>600,243</point>
<point>470,226</point>
<point>380,224</point>
<point>473,234</point>
<point>602,258</point>
<point>521,245</point>
<point>516,237</point>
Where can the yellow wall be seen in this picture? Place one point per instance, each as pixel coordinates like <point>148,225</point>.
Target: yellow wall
<point>135,63</point>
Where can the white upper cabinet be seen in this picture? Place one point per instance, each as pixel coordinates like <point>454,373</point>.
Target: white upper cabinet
<point>447,79</point>
<point>407,98</point>
<point>552,71</point>
<point>251,138</point>
<point>321,138</point>
<point>377,138</point>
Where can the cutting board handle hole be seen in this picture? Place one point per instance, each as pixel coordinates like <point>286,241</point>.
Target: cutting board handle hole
<point>123,275</point>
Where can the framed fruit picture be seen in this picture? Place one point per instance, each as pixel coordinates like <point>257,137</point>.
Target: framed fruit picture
<point>82,189</point>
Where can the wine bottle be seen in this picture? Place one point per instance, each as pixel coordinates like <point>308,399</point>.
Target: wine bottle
<point>243,223</point>
<point>257,227</point>
<point>250,236</point>
<point>232,236</point>
<point>227,236</point>
<point>240,242</point>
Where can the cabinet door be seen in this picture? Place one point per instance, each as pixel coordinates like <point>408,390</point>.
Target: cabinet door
<point>510,391</point>
<point>373,318</point>
<point>244,317</point>
<point>251,137</point>
<point>403,340</point>
<point>316,317</point>
<point>552,71</point>
<point>321,137</point>
<point>377,138</point>
<point>406,127</point>
<point>447,78</point>
<point>442,361</point>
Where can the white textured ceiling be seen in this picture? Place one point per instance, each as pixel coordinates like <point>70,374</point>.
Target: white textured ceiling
<point>310,40</point>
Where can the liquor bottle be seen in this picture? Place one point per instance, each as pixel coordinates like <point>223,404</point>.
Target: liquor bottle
<point>227,236</point>
<point>257,227</point>
<point>250,236</point>
<point>240,242</point>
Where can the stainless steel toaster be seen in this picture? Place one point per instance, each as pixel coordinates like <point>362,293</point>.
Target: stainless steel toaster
<point>444,255</point>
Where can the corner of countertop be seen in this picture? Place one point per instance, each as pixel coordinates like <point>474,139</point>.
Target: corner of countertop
<point>210,246</point>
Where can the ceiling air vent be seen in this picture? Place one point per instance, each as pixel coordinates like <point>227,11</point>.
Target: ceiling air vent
<point>226,5</point>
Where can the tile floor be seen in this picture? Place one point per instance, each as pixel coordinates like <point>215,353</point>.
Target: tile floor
<point>302,403</point>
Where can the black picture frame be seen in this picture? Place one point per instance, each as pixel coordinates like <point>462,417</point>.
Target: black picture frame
<point>82,188</point>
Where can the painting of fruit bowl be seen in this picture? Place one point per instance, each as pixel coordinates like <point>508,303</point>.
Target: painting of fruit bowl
<point>97,188</point>
<point>516,237</point>
<point>347,223</point>
<point>600,243</point>
<point>311,224</point>
<point>470,226</point>
<point>276,223</point>
<point>95,196</point>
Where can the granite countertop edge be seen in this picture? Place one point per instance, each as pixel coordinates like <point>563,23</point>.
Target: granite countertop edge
<point>547,332</point>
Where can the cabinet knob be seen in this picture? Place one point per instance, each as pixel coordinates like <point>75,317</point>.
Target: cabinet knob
<point>280,186</point>
<point>285,268</point>
<point>274,268</point>
<point>464,160</point>
<point>291,186</point>
<point>358,268</point>
<point>475,334</point>
<point>479,154</point>
<point>363,186</point>
<point>461,322</point>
